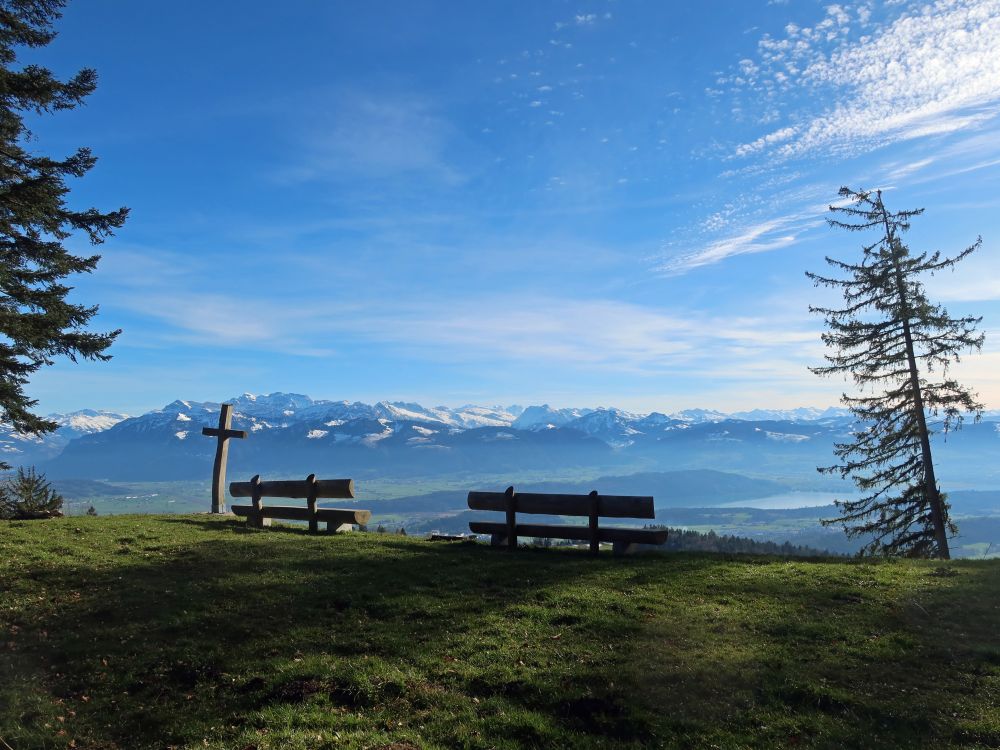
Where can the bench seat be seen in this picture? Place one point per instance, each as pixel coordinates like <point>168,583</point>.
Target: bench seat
<point>285,512</point>
<point>580,533</point>
<point>297,513</point>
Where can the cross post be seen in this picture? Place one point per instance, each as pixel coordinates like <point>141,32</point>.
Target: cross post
<point>223,433</point>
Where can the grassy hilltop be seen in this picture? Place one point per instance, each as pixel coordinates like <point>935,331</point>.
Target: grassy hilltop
<point>190,631</point>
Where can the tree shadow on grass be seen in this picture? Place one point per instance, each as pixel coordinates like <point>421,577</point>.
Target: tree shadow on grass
<point>238,526</point>
<point>858,654</point>
<point>247,636</point>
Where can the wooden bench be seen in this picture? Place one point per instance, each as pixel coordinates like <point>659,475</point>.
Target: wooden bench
<point>594,506</point>
<point>311,489</point>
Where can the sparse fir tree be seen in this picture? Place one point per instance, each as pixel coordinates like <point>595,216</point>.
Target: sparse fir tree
<point>37,322</point>
<point>897,346</point>
<point>27,495</point>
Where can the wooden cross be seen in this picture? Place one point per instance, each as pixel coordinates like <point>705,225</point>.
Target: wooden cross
<point>223,433</point>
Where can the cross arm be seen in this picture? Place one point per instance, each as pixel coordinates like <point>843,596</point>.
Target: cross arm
<point>215,432</point>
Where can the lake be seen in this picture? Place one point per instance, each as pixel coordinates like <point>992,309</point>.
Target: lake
<point>789,500</point>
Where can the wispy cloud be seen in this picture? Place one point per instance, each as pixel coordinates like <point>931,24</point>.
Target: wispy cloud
<point>177,293</point>
<point>929,69</point>
<point>588,334</point>
<point>899,171</point>
<point>934,69</point>
<point>583,19</point>
<point>558,331</point>
<point>762,236</point>
<point>765,141</point>
<point>376,137</point>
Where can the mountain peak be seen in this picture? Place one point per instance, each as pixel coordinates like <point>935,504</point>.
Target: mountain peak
<point>700,415</point>
<point>541,417</point>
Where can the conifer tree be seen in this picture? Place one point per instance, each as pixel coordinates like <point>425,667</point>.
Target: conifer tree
<point>37,321</point>
<point>29,495</point>
<point>897,346</point>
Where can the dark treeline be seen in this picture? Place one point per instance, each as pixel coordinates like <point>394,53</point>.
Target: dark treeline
<point>683,540</point>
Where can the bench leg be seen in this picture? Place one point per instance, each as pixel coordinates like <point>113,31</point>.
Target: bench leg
<point>332,527</point>
<point>257,522</point>
<point>498,540</point>
<point>620,549</point>
<point>314,526</point>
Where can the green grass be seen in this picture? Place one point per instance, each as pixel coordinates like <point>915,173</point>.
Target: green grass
<point>191,631</point>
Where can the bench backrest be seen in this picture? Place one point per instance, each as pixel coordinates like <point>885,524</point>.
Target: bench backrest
<point>607,506</point>
<point>309,488</point>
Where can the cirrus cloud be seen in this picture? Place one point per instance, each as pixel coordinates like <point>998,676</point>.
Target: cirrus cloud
<point>934,69</point>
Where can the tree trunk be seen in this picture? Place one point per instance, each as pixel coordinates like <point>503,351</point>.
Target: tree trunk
<point>930,481</point>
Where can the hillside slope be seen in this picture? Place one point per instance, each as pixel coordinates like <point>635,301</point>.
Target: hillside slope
<point>143,632</point>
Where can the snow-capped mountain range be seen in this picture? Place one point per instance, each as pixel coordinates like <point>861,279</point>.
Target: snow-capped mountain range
<point>291,433</point>
<point>15,446</point>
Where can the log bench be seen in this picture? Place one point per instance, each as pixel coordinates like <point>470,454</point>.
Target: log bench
<point>311,489</point>
<point>593,506</point>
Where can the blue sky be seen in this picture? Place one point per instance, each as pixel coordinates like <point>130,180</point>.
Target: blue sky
<point>579,203</point>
